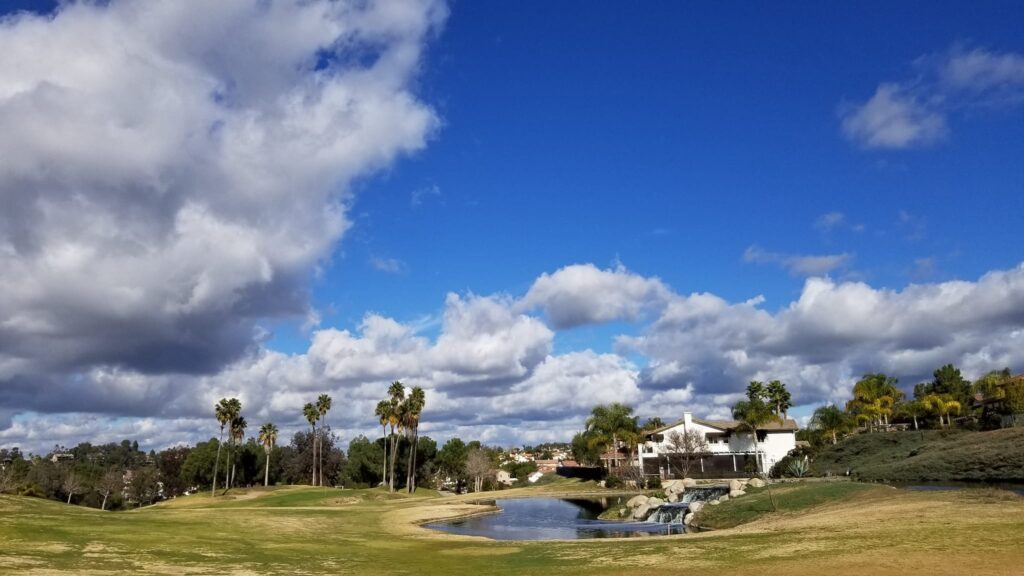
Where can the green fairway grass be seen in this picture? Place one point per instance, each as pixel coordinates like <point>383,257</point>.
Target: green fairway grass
<point>835,529</point>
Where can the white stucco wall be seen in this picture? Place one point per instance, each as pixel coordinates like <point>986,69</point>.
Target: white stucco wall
<point>773,448</point>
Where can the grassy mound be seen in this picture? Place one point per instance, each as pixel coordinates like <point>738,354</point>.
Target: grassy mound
<point>789,498</point>
<point>928,455</point>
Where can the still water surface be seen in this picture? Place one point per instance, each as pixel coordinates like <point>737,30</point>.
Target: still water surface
<point>552,519</point>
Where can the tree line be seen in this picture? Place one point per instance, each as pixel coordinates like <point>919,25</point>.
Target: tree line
<point>948,400</point>
<point>115,476</point>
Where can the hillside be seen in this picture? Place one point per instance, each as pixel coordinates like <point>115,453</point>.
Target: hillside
<point>928,455</point>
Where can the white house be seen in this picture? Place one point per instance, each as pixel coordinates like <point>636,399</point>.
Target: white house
<point>729,450</point>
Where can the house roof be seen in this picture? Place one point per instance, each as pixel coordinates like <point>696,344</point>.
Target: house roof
<point>730,425</point>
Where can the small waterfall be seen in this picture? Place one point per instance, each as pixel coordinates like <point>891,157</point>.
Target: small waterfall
<point>672,513</point>
<point>703,493</point>
<point>675,512</point>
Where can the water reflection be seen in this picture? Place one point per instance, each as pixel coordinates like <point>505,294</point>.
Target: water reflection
<point>553,519</point>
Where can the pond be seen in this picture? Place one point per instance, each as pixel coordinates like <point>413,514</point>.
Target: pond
<point>552,519</point>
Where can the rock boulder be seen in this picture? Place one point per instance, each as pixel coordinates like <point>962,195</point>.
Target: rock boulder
<point>641,512</point>
<point>696,506</point>
<point>756,483</point>
<point>736,493</point>
<point>735,485</point>
<point>637,501</point>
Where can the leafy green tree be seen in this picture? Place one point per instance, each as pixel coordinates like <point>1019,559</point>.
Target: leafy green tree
<point>1013,393</point>
<point>949,381</point>
<point>584,451</point>
<point>452,459</point>
<point>991,384</point>
<point>651,424</point>
<point>195,471</point>
<point>364,461</point>
<point>268,438</point>
<point>170,462</point>
<point>612,424</point>
<point>831,421</point>
<point>143,488</point>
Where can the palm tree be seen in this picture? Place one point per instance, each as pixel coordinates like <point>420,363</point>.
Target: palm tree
<point>913,409</point>
<point>397,393</point>
<point>312,414</point>
<point>942,405</point>
<point>752,416</point>
<point>222,415</point>
<point>383,413</point>
<point>755,390</point>
<point>779,398</point>
<point>323,405</point>
<point>608,425</point>
<point>414,408</point>
<point>233,409</point>
<point>874,396</point>
<point>830,420</point>
<point>238,426</point>
<point>268,437</point>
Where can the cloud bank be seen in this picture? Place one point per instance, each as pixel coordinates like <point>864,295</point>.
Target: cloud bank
<point>492,371</point>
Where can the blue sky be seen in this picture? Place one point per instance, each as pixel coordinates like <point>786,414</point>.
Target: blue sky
<point>671,138</point>
<point>740,150</point>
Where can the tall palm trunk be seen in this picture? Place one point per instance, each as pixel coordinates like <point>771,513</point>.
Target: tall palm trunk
<point>227,469</point>
<point>394,457</point>
<point>415,443</point>
<point>915,421</point>
<point>266,471</point>
<point>103,506</point>
<point>216,463</point>
<point>320,455</point>
<point>384,475</point>
<point>312,482</point>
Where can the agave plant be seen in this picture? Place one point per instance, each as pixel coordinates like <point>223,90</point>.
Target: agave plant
<point>798,468</point>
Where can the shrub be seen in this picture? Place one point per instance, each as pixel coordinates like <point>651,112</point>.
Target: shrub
<point>798,468</point>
